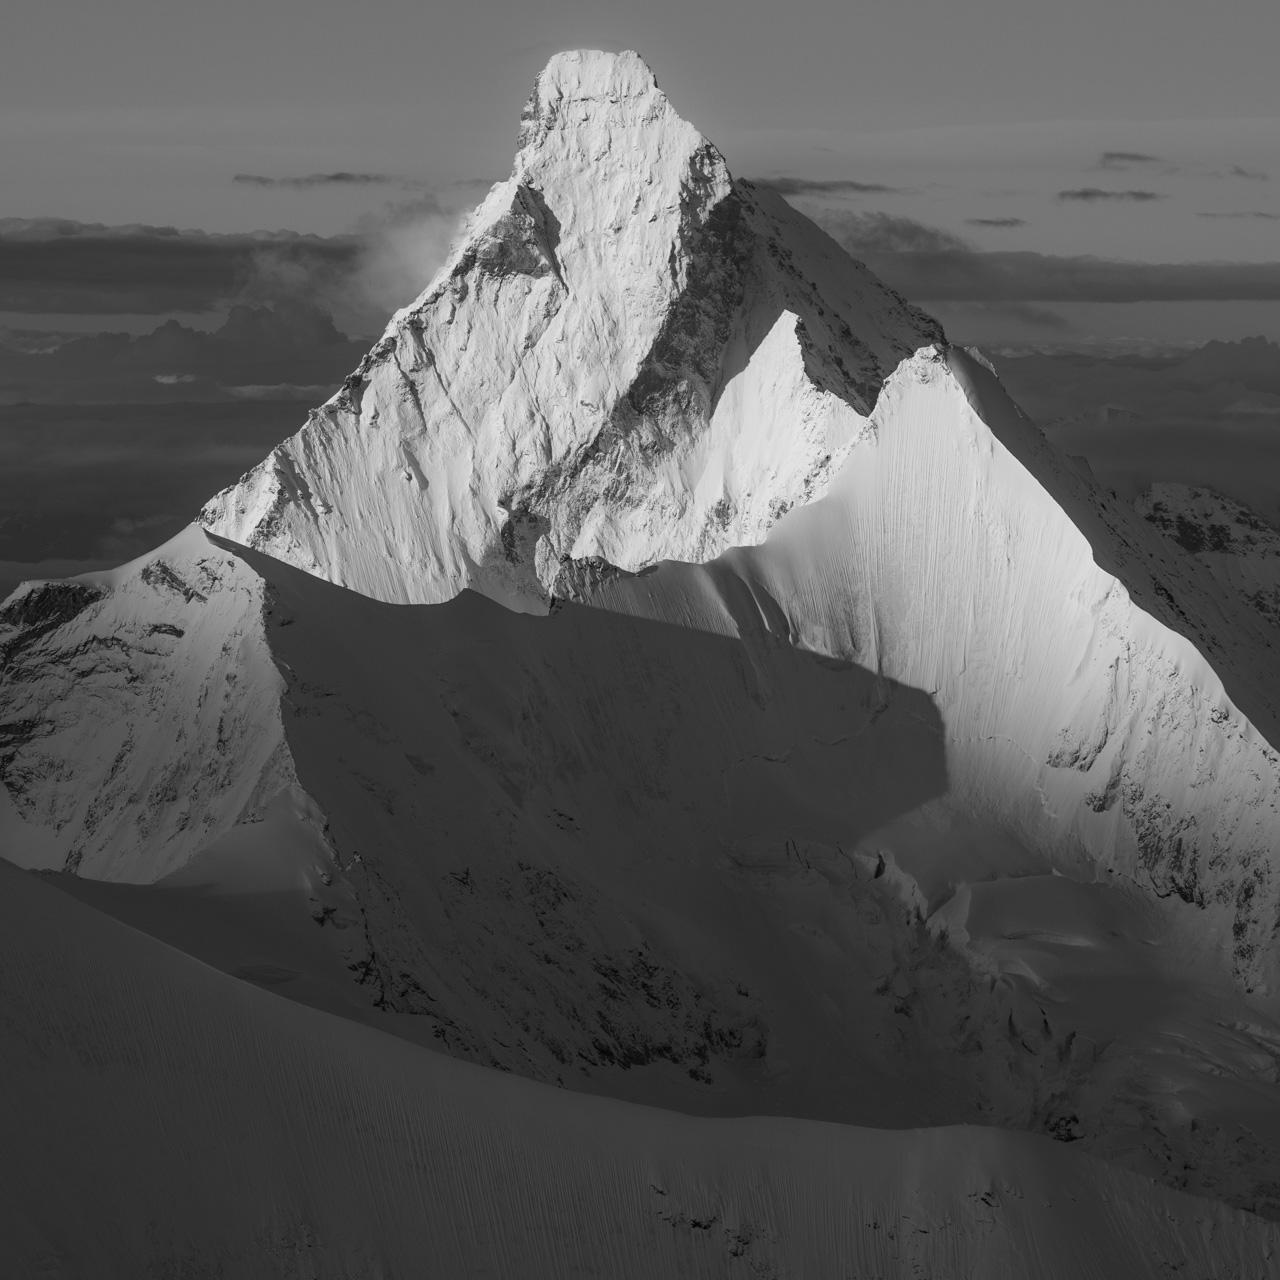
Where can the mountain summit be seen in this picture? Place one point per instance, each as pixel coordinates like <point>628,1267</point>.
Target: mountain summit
<point>628,356</point>
<point>827,748</point>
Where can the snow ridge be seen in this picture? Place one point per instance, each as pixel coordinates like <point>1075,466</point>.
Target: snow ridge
<point>139,713</point>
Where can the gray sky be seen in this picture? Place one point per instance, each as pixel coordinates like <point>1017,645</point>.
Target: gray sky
<point>128,110</point>
<point>1137,129</point>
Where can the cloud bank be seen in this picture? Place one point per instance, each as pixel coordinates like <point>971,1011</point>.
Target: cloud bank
<point>1125,159</point>
<point>929,264</point>
<point>57,266</point>
<point>821,186</point>
<point>1098,193</point>
<point>339,179</point>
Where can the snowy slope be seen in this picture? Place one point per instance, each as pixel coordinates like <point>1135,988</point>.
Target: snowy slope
<point>1239,548</point>
<point>612,363</point>
<point>139,713</point>
<point>649,850</point>
<point>173,1121</point>
<point>1083,732</point>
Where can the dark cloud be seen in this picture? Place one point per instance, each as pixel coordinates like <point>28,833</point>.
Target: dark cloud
<point>1036,277</point>
<point>996,222</point>
<point>821,186</point>
<point>291,350</point>
<point>1253,175</point>
<point>1124,159</point>
<point>1098,193</point>
<point>864,234</point>
<point>1252,213</point>
<point>50,265</point>
<point>929,264</point>
<point>340,179</point>
<point>980,322</point>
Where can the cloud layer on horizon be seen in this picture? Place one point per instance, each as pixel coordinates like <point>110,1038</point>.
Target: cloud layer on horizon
<point>51,265</point>
<point>821,186</point>
<point>58,266</point>
<point>55,266</point>
<point>339,179</point>
<point>929,264</point>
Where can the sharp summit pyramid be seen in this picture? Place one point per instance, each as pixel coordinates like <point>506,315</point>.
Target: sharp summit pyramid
<point>667,671</point>
<point>628,355</point>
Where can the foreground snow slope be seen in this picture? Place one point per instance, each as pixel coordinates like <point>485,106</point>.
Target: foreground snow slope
<point>657,850</point>
<point>169,1120</point>
<point>627,355</point>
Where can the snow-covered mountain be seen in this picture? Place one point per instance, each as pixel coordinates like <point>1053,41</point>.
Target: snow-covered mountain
<point>828,746</point>
<point>628,355</point>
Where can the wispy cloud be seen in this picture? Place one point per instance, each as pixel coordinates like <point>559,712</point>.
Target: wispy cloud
<point>339,179</point>
<point>821,186</point>
<point>1253,175</point>
<point>1098,193</point>
<point>996,222</point>
<point>1252,213</point>
<point>864,234</point>
<point>1126,159</point>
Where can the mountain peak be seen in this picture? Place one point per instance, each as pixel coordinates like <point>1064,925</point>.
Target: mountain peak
<point>588,78</point>
<point>628,356</point>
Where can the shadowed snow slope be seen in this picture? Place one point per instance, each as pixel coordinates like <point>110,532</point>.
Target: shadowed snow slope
<point>173,1121</point>
<point>628,355</point>
<point>1083,733</point>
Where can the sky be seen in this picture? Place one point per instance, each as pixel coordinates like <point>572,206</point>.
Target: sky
<point>1138,130</point>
